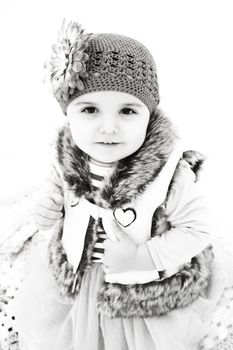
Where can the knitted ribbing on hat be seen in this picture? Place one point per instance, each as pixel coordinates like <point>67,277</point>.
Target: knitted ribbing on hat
<point>106,61</point>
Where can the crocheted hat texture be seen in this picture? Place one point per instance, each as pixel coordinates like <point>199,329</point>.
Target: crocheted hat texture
<point>83,63</point>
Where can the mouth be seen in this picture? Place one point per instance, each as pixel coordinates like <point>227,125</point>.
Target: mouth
<point>108,143</point>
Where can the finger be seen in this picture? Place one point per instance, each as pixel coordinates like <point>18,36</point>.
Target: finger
<point>49,203</point>
<point>43,227</point>
<point>58,199</point>
<point>41,220</point>
<point>49,214</point>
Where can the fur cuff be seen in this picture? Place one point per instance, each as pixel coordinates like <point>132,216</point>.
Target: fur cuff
<point>157,298</point>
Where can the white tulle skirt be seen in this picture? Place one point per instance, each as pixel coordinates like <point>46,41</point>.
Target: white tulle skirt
<point>47,321</point>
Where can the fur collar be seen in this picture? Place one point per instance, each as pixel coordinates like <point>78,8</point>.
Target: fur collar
<point>132,174</point>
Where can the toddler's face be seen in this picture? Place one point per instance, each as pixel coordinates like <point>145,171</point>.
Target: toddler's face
<point>95,116</point>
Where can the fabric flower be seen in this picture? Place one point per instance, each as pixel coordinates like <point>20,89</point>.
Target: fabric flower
<point>67,65</point>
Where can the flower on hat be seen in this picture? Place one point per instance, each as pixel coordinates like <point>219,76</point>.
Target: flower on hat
<point>67,65</point>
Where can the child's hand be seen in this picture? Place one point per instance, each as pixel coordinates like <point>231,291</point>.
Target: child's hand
<point>124,254</point>
<point>48,210</point>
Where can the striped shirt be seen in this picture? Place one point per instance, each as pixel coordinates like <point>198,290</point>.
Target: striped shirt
<point>98,173</point>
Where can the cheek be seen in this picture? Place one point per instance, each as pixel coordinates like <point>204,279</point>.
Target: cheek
<point>80,130</point>
<point>140,139</point>
<point>136,140</point>
<point>77,132</point>
<point>138,133</point>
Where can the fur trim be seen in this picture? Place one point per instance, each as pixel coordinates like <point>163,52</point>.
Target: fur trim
<point>157,298</point>
<point>68,280</point>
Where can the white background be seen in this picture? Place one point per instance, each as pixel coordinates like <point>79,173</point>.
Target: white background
<point>192,45</point>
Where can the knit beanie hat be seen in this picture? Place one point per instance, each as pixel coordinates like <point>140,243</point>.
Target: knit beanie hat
<point>83,63</point>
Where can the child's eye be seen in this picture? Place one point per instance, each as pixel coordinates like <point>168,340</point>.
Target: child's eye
<point>90,110</point>
<point>128,111</point>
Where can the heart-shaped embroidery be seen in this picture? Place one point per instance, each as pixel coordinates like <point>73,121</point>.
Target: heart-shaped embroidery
<point>125,217</point>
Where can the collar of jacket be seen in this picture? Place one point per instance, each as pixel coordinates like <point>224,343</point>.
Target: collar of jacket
<point>131,175</point>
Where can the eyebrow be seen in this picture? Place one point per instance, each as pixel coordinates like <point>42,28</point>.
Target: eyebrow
<point>93,103</point>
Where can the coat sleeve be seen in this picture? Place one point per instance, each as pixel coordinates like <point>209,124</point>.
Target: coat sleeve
<point>190,226</point>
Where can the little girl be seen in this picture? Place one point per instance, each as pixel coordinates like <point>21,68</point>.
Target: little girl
<point>130,263</point>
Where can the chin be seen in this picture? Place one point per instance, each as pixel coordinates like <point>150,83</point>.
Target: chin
<point>104,158</point>
<point>107,160</point>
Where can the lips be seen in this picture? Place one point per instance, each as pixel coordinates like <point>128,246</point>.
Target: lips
<point>107,144</point>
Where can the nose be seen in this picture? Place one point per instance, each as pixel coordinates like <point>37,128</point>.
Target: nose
<point>108,125</point>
